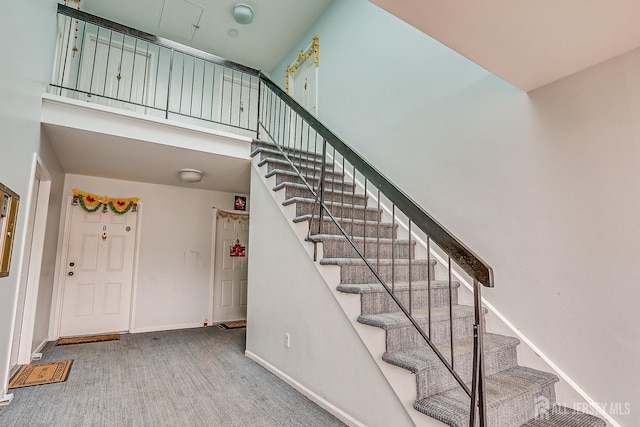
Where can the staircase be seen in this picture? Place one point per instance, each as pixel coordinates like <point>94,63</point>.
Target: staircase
<point>515,395</point>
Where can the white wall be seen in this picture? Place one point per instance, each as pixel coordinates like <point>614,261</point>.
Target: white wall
<point>173,283</point>
<point>543,186</point>
<point>326,355</point>
<point>27,31</point>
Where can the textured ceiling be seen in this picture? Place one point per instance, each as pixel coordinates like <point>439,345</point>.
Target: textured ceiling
<point>204,24</point>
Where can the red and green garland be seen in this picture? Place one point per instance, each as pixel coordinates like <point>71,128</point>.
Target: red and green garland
<point>92,203</point>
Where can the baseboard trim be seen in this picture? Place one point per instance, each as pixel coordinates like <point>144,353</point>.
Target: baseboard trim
<point>321,402</point>
<point>165,328</point>
<point>39,348</point>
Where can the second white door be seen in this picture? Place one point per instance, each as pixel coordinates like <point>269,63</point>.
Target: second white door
<point>230,272</point>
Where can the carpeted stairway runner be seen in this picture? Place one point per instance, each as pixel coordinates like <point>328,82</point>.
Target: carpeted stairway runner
<point>514,392</point>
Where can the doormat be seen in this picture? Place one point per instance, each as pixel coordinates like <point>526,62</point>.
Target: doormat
<point>92,338</point>
<point>41,373</point>
<point>232,325</point>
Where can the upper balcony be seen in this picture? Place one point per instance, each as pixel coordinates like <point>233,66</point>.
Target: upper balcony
<point>114,90</point>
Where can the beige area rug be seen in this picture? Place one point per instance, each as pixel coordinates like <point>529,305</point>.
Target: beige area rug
<point>92,338</point>
<point>233,325</point>
<point>41,373</point>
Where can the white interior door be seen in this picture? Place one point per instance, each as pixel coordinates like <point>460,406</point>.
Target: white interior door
<point>99,273</point>
<point>230,272</point>
<point>304,85</point>
<point>238,100</point>
<point>304,90</point>
<point>115,70</point>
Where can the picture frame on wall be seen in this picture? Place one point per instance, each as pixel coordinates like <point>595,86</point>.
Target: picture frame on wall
<point>240,203</point>
<point>9,201</point>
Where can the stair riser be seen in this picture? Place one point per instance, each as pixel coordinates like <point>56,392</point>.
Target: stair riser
<point>289,151</point>
<point>339,212</point>
<point>438,379</point>
<point>515,412</point>
<point>408,337</point>
<point>334,186</point>
<point>379,302</point>
<point>382,250</point>
<point>306,171</point>
<point>300,162</point>
<point>508,413</point>
<point>358,274</point>
<point>338,197</point>
<point>354,229</point>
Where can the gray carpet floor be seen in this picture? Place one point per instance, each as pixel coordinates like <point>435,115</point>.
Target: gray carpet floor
<point>192,377</point>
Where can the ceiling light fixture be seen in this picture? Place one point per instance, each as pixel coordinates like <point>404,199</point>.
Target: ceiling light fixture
<point>243,14</point>
<point>190,175</point>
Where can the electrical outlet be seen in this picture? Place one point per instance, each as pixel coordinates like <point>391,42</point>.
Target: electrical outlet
<point>287,340</point>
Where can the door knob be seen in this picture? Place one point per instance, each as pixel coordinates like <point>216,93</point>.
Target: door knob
<point>71,273</point>
<point>71,264</point>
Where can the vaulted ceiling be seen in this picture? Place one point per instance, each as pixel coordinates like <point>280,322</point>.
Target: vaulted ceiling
<point>527,43</point>
<point>205,25</point>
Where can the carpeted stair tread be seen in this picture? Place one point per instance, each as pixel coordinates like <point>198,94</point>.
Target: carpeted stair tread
<point>372,288</point>
<point>561,416</point>
<point>338,246</point>
<point>519,384</point>
<point>292,177</point>
<point>258,146</point>
<point>293,155</point>
<point>398,319</point>
<point>359,240</point>
<point>334,205</point>
<point>372,224</point>
<point>422,358</point>
<point>300,190</point>
<point>353,227</point>
<point>307,170</point>
<point>399,262</point>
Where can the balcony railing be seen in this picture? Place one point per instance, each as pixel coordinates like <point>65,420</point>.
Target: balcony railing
<point>102,62</point>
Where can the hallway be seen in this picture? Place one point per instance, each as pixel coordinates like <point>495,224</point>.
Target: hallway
<point>190,377</point>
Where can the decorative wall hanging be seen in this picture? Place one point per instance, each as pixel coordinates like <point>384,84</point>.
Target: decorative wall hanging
<point>240,203</point>
<point>231,215</point>
<point>303,55</point>
<point>238,250</point>
<point>92,203</point>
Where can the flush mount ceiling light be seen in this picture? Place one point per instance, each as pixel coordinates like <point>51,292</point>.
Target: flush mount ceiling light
<point>243,14</point>
<point>190,175</point>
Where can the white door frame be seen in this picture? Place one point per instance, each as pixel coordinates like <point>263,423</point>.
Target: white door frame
<point>58,288</point>
<point>28,311</point>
